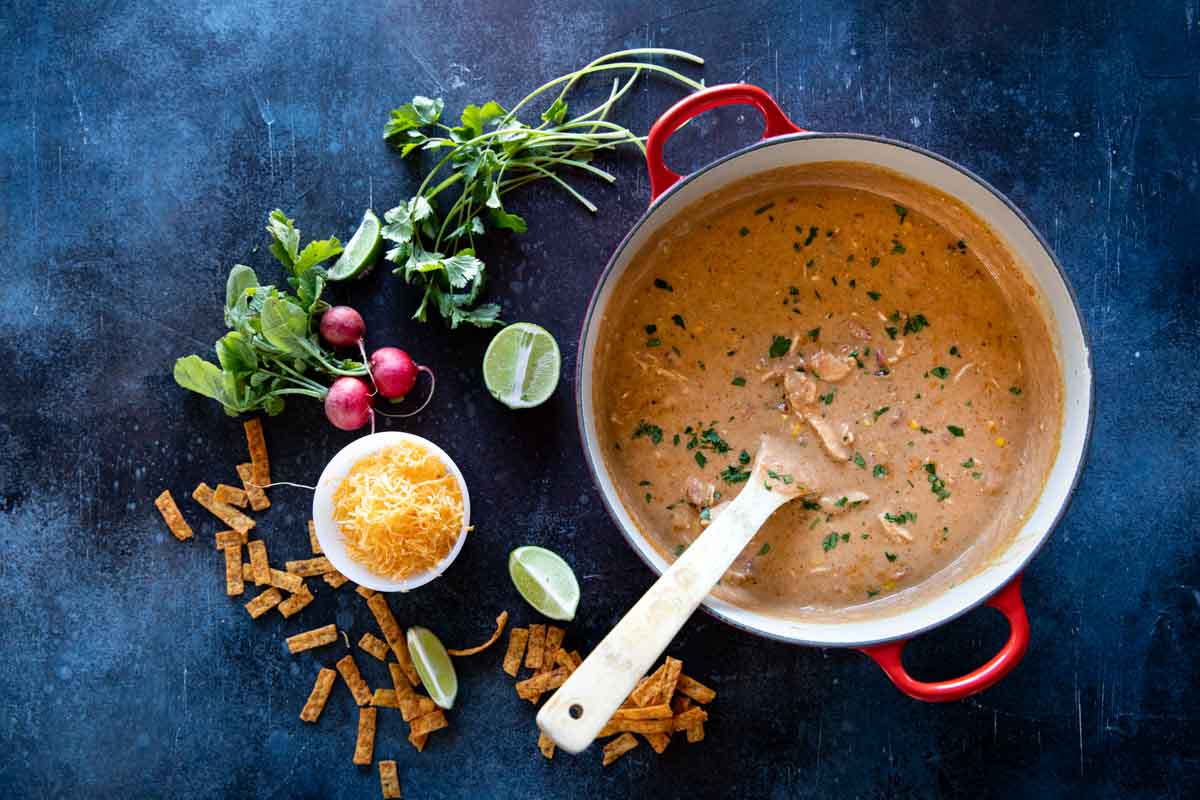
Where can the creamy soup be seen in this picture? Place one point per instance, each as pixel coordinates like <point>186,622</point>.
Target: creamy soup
<point>877,322</point>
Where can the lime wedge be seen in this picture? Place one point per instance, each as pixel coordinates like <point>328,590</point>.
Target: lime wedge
<point>361,251</point>
<point>521,365</point>
<point>433,665</point>
<point>545,581</point>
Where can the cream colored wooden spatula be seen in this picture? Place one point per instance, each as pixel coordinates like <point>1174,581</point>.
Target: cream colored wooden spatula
<point>581,706</point>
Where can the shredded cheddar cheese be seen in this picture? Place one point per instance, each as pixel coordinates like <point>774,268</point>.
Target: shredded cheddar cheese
<point>400,511</point>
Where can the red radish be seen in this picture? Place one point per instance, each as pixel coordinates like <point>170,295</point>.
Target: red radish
<point>342,326</point>
<point>394,372</point>
<point>348,404</point>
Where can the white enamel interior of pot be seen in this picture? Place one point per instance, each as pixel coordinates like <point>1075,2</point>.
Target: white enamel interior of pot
<point>1041,270</point>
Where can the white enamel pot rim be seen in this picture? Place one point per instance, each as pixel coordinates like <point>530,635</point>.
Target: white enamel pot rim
<point>1041,267</point>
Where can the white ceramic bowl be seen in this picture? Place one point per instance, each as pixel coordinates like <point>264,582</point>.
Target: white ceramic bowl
<point>327,530</point>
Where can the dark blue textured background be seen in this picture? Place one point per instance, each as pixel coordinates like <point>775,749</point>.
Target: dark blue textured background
<point>141,145</point>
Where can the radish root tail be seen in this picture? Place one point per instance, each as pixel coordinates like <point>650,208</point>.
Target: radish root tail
<point>428,397</point>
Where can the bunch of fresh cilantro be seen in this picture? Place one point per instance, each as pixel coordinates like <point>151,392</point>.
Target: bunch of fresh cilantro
<point>489,154</point>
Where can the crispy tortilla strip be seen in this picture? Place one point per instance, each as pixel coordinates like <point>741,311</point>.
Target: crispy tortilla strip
<point>364,745</point>
<point>618,747</point>
<point>695,733</point>
<point>637,690</point>
<point>424,705</point>
<point>286,581</point>
<point>264,602</point>
<point>389,780</point>
<point>661,711</point>
<point>170,514</point>
<point>647,692</point>
<point>296,602</point>
<point>320,693</point>
<point>334,579</point>
<point>537,646</point>
<point>406,698</point>
<point>317,637</point>
<point>692,716</point>
<point>501,621</point>
<point>531,689</point>
<point>642,726</point>
<point>234,584</point>
<point>554,639</point>
<point>578,659</point>
<point>308,567</point>
<point>426,724</point>
<point>517,639</point>
<point>690,687</point>
<point>546,745</point>
<point>313,542</point>
<point>372,644</point>
<point>230,495</point>
<point>564,659</point>
<point>672,669</point>
<point>256,496</point>
<point>354,679</point>
<point>258,562</point>
<point>680,704</point>
<point>257,445</point>
<point>394,635</point>
<point>226,513</point>
<point>658,741</point>
<point>385,698</point>
<point>226,538</point>
<point>418,741</point>
<point>364,592</point>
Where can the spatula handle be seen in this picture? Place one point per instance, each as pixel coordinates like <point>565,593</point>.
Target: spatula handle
<point>581,707</point>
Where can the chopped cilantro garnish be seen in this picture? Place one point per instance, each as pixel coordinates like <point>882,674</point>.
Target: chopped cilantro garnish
<point>830,542</point>
<point>872,592</point>
<point>650,329</point>
<point>766,548</point>
<point>780,345</point>
<point>955,430</point>
<point>897,248</point>
<point>1015,391</point>
<point>679,548</point>
<point>874,295</point>
<point>901,518</point>
<point>743,457</point>
<point>901,211</point>
<point>734,474</point>
<point>890,556</point>
<point>827,399</point>
<point>653,432</point>
<point>678,320</point>
<point>936,484</point>
<point>890,331</point>
<point>792,290</point>
<point>879,412</point>
<point>874,261</point>
<point>815,334</point>
<point>738,381</point>
<point>879,471</point>
<point>743,231</point>
<point>954,351</point>
<point>654,342</point>
<point>763,209</point>
<point>812,234</point>
<point>841,503</point>
<point>859,461</point>
<point>810,505</point>
<point>940,372</point>
<point>659,283</point>
<point>915,323</point>
<point>701,459</point>
<point>970,462</point>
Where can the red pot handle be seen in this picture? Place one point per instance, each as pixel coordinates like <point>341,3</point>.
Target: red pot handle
<point>1008,602</point>
<point>777,124</point>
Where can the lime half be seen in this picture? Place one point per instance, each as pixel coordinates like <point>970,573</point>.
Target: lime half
<point>433,665</point>
<point>361,251</point>
<point>521,365</point>
<point>545,581</point>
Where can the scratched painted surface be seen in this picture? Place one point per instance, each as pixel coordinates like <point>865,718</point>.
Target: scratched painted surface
<point>143,143</point>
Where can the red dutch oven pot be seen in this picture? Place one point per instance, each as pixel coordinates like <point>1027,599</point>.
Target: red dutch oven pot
<point>998,583</point>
